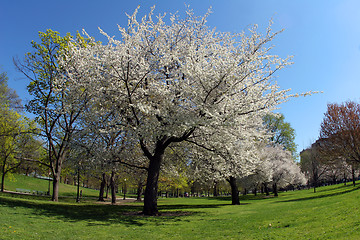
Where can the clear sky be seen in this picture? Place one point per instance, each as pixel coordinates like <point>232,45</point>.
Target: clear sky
<point>322,35</point>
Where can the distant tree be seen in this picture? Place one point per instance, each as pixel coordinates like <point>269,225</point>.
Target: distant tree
<point>31,151</point>
<point>15,130</point>
<point>8,95</point>
<point>312,166</point>
<point>16,140</point>
<point>136,178</point>
<point>253,182</point>
<point>10,129</point>
<point>279,168</point>
<point>340,134</point>
<point>280,132</point>
<point>172,181</point>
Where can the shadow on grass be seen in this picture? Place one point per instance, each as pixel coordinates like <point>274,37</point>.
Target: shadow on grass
<point>247,197</point>
<point>333,187</point>
<point>99,214</point>
<point>93,214</point>
<point>321,194</point>
<point>190,206</point>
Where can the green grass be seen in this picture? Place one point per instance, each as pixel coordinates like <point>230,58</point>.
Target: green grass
<point>36,184</point>
<point>331,213</point>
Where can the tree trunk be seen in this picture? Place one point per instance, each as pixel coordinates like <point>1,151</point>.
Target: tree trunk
<point>56,182</point>
<point>150,197</point>
<point>3,177</point>
<point>275,190</point>
<point>315,185</point>
<point>192,190</point>
<point>112,186</point>
<point>107,190</point>
<point>78,186</point>
<point>57,175</point>
<point>266,189</point>
<point>139,191</point>
<point>344,178</point>
<point>353,174</point>
<point>2,182</point>
<point>102,188</point>
<point>124,190</point>
<point>27,170</point>
<point>234,191</point>
<point>215,189</point>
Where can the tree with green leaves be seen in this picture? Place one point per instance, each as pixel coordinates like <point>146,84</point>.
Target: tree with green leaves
<point>8,95</point>
<point>15,130</point>
<point>10,129</point>
<point>55,118</point>
<point>280,132</point>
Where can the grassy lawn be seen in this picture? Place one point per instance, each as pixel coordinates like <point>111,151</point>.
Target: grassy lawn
<point>331,213</point>
<point>36,184</point>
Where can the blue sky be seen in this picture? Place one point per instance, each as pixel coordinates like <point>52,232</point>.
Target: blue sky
<point>323,36</point>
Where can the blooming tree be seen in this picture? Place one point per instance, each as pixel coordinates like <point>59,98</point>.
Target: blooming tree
<point>233,156</point>
<point>171,81</point>
<point>279,168</point>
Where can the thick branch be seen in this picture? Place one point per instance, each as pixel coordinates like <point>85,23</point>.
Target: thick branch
<point>33,160</point>
<point>130,165</point>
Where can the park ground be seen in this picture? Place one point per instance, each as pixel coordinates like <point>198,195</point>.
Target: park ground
<point>330,213</point>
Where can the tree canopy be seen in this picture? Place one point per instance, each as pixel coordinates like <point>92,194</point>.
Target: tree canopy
<point>171,82</point>
<point>280,131</point>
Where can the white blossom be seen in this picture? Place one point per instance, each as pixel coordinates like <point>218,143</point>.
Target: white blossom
<point>182,81</point>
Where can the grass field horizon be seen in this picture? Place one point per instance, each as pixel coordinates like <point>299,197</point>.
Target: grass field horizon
<point>330,213</point>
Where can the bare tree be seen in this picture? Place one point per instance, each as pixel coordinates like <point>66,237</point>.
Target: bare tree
<point>340,135</point>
